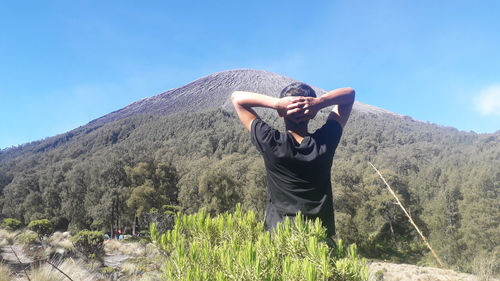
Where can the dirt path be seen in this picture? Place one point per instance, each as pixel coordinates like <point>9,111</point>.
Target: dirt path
<point>9,257</point>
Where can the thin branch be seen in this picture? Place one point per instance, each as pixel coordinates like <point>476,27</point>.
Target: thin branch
<point>22,265</point>
<point>59,270</point>
<point>409,217</point>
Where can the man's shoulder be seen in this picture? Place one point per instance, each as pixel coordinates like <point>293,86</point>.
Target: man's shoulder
<point>262,134</point>
<point>330,133</point>
<point>260,126</point>
<point>330,126</point>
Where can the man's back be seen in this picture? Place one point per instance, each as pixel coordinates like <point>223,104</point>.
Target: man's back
<point>298,164</point>
<point>298,174</point>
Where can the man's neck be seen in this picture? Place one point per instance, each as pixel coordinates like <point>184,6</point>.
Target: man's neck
<point>298,131</point>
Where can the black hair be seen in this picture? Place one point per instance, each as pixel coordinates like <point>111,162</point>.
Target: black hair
<point>298,89</point>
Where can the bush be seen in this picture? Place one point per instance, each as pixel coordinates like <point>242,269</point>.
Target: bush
<point>11,224</point>
<point>108,271</point>
<point>42,227</point>
<point>90,244</point>
<point>28,239</point>
<point>237,247</point>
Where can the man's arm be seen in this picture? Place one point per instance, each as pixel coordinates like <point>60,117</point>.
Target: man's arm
<point>244,101</point>
<point>308,106</point>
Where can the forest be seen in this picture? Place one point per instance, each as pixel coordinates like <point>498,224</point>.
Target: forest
<point>121,174</point>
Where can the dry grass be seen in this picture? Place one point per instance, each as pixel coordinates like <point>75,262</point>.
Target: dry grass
<point>4,232</point>
<point>407,272</point>
<point>150,276</point>
<point>113,246</point>
<point>484,268</point>
<point>59,243</point>
<point>145,267</point>
<point>61,240</point>
<point>147,276</point>
<point>130,268</point>
<point>77,270</point>
<point>134,249</point>
<point>4,272</point>
<point>7,237</point>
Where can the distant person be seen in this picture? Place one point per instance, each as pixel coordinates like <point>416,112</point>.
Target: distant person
<point>298,163</point>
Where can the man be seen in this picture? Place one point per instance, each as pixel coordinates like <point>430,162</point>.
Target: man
<point>298,164</point>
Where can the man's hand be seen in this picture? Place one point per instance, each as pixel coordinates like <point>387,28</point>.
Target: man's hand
<point>283,104</point>
<point>306,108</point>
<point>303,109</point>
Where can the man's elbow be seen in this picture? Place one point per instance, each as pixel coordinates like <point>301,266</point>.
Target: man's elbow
<point>234,98</point>
<point>352,94</point>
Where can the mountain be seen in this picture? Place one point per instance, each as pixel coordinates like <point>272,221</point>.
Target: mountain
<point>186,147</point>
<point>214,91</point>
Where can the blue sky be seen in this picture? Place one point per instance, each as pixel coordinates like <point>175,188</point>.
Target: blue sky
<point>65,63</point>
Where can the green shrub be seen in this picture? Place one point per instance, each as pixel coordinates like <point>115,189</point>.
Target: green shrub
<point>108,271</point>
<point>237,247</point>
<point>42,227</point>
<point>28,239</point>
<point>90,244</point>
<point>11,224</point>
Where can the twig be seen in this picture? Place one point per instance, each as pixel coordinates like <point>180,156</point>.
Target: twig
<point>22,265</point>
<point>409,217</point>
<point>59,270</point>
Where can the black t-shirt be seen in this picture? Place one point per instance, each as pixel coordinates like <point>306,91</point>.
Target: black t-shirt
<point>298,175</point>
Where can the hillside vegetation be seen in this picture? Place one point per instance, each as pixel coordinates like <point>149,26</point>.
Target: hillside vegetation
<point>119,174</point>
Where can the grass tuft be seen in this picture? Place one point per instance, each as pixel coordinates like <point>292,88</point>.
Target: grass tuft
<point>59,244</point>
<point>77,270</point>
<point>4,272</point>
<point>133,249</point>
<point>8,237</point>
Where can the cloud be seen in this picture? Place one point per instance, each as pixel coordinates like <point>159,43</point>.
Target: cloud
<point>489,101</point>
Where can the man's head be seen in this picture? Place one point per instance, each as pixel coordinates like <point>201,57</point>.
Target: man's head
<point>298,89</point>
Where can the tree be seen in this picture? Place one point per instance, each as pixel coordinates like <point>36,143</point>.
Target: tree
<point>153,185</point>
<point>73,197</point>
<point>15,193</point>
<point>219,191</point>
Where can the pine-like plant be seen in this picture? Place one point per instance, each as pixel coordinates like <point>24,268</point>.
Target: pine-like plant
<point>11,224</point>
<point>42,227</point>
<point>90,244</point>
<point>237,247</point>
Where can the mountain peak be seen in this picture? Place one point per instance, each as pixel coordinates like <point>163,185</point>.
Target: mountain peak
<point>214,91</point>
